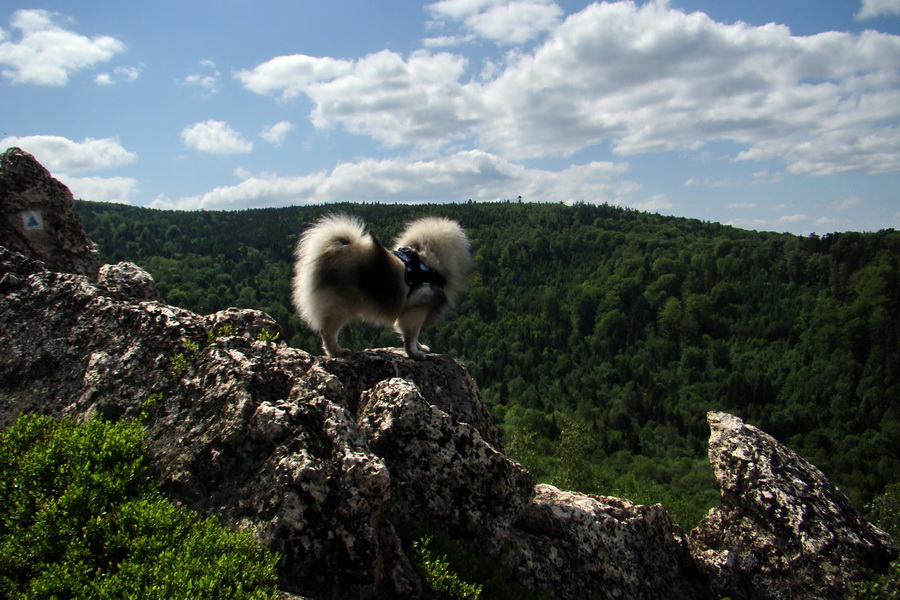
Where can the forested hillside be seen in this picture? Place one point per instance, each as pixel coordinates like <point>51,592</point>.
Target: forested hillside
<point>600,336</point>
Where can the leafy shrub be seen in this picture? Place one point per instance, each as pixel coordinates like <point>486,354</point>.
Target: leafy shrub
<point>221,331</point>
<point>442,580</point>
<point>455,571</point>
<point>884,510</point>
<point>181,360</point>
<point>81,518</point>
<point>266,336</point>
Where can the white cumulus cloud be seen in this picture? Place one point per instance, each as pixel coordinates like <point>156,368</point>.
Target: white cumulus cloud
<point>505,22</point>
<point>385,96</point>
<point>62,155</point>
<point>102,189</point>
<point>292,75</point>
<point>215,137</point>
<point>465,175</point>
<point>643,78</point>
<point>651,78</point>
<point>46,53</point>
<point>877,8</point>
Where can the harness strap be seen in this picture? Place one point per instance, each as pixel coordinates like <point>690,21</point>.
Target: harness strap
<point>417,273</point>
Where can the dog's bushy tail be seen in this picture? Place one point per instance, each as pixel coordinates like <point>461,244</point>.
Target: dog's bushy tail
<point>330,241</point>
<point>444,247</point>
<point>329,234</point>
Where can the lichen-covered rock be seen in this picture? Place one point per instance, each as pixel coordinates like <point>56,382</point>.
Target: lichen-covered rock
<point>441,380</point>
<point>783,530</point>
<point>599,547</point>
<point>259,434</point>
<point>473,489</point>
<point>127,281</point>
<point>38,217</point>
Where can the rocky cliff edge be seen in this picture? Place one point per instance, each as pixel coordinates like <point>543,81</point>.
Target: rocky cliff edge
<point>325,460</point>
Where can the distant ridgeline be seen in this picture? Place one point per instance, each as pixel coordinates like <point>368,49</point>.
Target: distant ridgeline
<point>601,336</point>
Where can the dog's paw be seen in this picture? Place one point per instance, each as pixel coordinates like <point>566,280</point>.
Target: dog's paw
<point>338,352</point>
<point>416,352</point>
<point>424,348</point>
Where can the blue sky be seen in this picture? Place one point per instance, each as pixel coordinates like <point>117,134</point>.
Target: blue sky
<point>774,114</point>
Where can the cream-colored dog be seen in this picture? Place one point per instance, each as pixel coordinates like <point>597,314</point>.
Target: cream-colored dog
<point>342,272</point>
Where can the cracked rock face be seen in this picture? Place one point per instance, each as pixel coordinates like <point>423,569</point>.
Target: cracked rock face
<point>600,535</point>
<point>783,530</point>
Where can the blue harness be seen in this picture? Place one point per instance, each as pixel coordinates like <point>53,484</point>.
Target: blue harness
<point>417,273</point>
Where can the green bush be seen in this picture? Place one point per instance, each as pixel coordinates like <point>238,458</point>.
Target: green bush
<point>455,571</point>
<point>81,518</point>
<point>443,582</point>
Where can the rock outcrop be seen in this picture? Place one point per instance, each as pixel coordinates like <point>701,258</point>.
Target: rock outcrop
<point>784,531</point>
<point>327,460</point>
<point>38,217</point>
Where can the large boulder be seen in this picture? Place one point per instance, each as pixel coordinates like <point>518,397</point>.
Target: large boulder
<point>600,547</point>
<point>38,217</point>
<point>784,531</point>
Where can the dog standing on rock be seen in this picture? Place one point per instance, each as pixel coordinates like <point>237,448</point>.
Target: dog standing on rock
<point>342,272</point>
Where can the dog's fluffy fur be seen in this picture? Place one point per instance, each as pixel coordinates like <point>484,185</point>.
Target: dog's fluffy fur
<point>342,272</point>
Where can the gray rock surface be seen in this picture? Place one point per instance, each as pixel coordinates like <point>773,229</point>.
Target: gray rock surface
<point>619,549</point>
<point>128,281</point>
<point>783,530</point>
<point>38,217</point>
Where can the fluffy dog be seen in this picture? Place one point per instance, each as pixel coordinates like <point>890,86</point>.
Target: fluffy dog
<point>342,272</point>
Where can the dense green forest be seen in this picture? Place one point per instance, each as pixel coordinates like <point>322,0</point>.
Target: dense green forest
<point>601,336</point>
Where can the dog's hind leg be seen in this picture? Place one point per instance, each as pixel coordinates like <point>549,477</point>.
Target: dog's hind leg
<point>408,326</point>
<point>330,328</point>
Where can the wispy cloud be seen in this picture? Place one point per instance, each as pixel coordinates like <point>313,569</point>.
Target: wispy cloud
<point>207,81</point>
<point>119,74</point>
<point>788,219</point>
<point>845,203</point>
<point>710,183</point>
<point>276,134</point>
<point>465,175</point>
